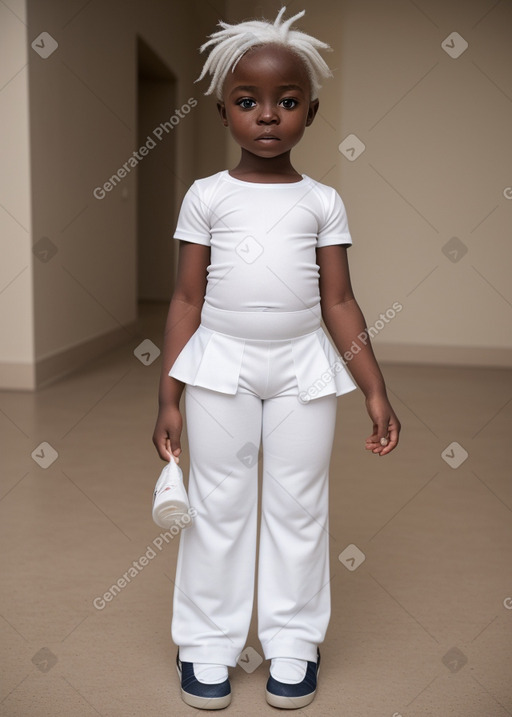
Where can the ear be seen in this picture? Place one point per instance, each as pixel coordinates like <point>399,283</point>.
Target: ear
<point>221,108</point>
<point>313,109</point>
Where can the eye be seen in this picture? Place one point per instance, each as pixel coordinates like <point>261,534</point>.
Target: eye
<point>288,103</point>
<point>246,103</point>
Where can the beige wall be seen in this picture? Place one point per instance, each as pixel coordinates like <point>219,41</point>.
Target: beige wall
<point>436,164</point>
<point>16,315</point>
<point>59,313</point>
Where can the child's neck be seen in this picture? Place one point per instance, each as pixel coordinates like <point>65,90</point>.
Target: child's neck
<point>272,170</point>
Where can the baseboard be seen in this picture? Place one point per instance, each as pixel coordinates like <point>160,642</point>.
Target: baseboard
<point>17,376</point>
<point>52,368</point>
<point>471,356</point>
<point>28,377</point>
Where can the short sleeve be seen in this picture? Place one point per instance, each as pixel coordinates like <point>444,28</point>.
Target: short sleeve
<point>193,220</point>
<point>335,226</point>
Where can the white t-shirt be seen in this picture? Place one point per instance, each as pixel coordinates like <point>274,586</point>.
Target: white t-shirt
<point>263,239</point>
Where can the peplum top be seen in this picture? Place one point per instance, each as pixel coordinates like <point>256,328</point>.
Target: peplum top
<point>263,279</point>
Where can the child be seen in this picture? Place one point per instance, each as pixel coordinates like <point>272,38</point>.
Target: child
<point>263,258</point>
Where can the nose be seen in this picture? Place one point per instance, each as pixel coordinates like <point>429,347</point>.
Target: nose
<point>268,114</point>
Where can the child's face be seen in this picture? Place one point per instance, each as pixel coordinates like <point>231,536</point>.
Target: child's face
<point>266,101</point>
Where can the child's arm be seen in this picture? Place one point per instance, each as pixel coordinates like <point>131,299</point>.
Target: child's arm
<point>182,321</point>
<point>344,321</point>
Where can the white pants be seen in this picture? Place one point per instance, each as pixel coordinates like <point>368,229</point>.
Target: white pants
<point>214,588</point>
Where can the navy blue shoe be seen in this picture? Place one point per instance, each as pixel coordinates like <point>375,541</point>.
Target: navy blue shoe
<point>198,694</point>
<point>300,694</point>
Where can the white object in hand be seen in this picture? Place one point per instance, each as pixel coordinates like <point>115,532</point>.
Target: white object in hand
<point>170,500</point>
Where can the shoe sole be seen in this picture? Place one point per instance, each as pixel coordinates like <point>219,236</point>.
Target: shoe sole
<point>203,703</point>
<point>291,703</point>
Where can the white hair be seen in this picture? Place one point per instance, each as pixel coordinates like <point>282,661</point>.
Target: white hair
<point>233,41</point>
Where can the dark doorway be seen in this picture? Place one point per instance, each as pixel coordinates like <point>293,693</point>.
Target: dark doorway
<point>156,92</point>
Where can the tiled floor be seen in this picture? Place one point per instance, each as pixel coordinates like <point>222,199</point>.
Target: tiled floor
<point>422,627</point>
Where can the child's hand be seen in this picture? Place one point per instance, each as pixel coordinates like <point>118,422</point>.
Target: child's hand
<point>386,426</point>
<point>167,434</point>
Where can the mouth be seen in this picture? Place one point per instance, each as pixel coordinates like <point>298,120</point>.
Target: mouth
<point>268,138</point>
